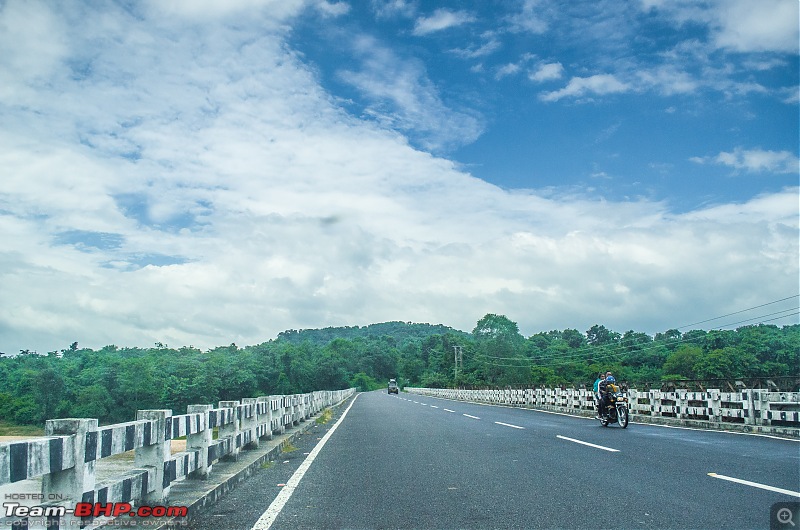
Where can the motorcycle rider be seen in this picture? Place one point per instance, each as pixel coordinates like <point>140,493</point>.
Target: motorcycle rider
<point>604,387</point>
<point>596,388</point>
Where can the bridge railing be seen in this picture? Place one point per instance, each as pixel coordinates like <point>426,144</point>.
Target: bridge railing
<point>66,458</point>
<point>747,410</point>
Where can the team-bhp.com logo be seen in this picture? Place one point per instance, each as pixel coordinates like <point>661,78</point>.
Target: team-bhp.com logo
<point>93,509</point>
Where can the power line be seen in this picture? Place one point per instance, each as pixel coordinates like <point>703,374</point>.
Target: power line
<point>618,349</point>
<point>580,351</point>
<point>759,318</point>
<point>737,312</point>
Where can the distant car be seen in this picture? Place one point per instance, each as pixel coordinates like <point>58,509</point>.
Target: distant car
<point>393,386</point>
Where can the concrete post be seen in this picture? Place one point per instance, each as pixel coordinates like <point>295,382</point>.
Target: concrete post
<point>266,417</point>
<point>231,429</point>
<point>714,403</point>
<point>749,407</point>
<point>154,455</point>
<point>70,484</point>
<point>250,424</point>
<point>200,441</point>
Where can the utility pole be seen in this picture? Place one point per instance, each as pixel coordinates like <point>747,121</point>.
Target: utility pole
<point>459,360</point>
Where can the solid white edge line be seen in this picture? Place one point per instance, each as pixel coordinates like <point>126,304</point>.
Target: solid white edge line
<point>274,509</point>
<point>756,485</point>
<point>509,425</point>
<point>473,417</point>
<point>587,443</point>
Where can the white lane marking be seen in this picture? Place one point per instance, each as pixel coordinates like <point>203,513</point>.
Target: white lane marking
<point>434,407</point>
<point>587,443</point>
<point>756,485</point>
<point>448,410</point>
<point>509,425</point>
<point>473,417</point>
<point>274,509</point>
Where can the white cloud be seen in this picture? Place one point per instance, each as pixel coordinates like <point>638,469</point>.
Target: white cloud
<point>32,42</point>
<point>441,19</point>
<point>668,80</point>
<point>739,25</point>
<point>329,9</point>
<point>529,19</point>
<point>393,8</point>
<point>404,98</point>
<point>755,160</point>
<point>547,72</point>
<point>222,196</point>
<point>507,70</point>
<point>490,45</point>
<point>578,87</point>
<point>766,25</point>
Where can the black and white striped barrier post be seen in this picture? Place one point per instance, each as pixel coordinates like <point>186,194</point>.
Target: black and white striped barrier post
<point>200,440</point>
<point>231,429</point>
<point>152,455</point>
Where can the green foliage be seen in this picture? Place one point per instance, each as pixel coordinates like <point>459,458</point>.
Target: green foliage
<point>112,383</point>
<point>364,383</point>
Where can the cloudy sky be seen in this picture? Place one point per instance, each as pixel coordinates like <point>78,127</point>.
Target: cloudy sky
<point>202,172</point>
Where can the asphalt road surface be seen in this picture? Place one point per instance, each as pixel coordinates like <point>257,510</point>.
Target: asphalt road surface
<point>407,461</point>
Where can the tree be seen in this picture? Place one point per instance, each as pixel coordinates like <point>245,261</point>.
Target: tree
<point>497,341</point>
<point>364,382</point>
<point>573,338</point>
<point>599,335</point>
<point>683,361</point>
<point>494,327</point>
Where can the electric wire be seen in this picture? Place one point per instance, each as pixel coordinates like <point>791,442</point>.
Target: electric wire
<point>737,312</point>
<point>620,349</point>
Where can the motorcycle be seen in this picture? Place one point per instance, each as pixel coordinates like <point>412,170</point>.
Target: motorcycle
<point>616,411</point>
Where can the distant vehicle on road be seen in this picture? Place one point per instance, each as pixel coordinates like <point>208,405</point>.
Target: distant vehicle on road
<point>393,386</point>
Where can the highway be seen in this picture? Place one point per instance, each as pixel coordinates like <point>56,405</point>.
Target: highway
<point>407,461</point>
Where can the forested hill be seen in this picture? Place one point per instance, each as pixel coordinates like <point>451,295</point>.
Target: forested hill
<point>401,332</point>
<point>112,383</point>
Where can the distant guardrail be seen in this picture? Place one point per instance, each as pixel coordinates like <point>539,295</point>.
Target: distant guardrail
<point>749,410</point>
<point>66,457</point>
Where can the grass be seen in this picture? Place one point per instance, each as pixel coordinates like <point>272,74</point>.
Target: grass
<point>325,416</point>
<point>287,447</point>
<point>8,429</point>
<point>268,464</point>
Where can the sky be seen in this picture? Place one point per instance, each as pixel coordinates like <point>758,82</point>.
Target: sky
<point>199,173</point>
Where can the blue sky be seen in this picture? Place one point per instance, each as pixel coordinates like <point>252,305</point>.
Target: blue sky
<point>201,173</point>
<point>628,99</point>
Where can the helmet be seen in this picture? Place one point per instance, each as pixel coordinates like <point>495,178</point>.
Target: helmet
<point>610,379</point>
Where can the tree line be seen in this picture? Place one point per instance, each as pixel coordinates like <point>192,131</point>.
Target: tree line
<point>112,383</point>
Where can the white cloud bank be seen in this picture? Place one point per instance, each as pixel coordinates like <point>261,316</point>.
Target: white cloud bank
<point>172,179</point>
<point>755,160</point>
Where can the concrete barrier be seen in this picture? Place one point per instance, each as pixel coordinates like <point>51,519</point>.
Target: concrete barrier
<point>750,410</point>
<point>65,459</point>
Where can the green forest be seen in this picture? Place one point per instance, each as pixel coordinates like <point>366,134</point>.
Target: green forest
<point>112,383</point>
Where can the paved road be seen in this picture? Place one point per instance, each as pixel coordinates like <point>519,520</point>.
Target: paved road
<point>406,461</point>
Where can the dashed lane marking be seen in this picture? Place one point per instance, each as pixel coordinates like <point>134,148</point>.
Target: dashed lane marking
<point>589,444</point>
<point>509,425</point>
<point>469,416</point>
<point>756,485</point>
